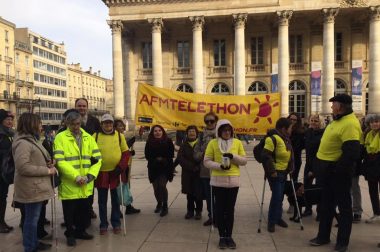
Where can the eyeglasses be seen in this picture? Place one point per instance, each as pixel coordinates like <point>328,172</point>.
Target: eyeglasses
<point>209,121</point>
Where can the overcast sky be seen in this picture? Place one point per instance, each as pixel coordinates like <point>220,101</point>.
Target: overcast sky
<point>80,24</point>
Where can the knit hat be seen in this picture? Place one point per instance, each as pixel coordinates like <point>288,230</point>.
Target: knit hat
<point>4,114</point>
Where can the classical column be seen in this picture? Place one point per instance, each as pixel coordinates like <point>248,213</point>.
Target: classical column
<point>283,59</point>
<point>157,25</point>
<point>328,66</point>
<point>198,23</point>
<point>239,59</point>
<point>118,86</point>
<point>374,61</point>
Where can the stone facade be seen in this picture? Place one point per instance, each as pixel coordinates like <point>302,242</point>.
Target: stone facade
<point>234,47</point>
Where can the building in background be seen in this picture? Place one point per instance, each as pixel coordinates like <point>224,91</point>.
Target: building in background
<point>8,95</point>
<point>49,76</point>
<point>89,85</point>
<point>306,50</point>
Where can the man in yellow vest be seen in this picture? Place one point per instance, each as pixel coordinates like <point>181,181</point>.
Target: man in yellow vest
<point>337,154</point>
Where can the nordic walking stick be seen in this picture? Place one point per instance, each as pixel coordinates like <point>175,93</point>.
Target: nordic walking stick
<point>261,207</point>
<point>212,209</point>
<point>122,206</point>
<point>295,199</point>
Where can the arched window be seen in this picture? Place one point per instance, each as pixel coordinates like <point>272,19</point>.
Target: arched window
<point>220,88</point>
<point>297,98</point>
<point>184,88</point>
<point>258,87</point>
<point>366,98</point>
<point>339,87</point>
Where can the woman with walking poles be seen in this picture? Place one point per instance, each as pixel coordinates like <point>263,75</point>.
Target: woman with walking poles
<point>223,156</point>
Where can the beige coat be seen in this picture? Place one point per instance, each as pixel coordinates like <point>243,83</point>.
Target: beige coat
<point>32,181</point>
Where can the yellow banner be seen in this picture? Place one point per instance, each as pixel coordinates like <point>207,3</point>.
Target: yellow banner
<point>250,114</point>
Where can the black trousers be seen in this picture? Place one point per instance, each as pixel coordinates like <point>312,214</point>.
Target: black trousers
<point>336,188</point>
<point>373,187</point>
<point>4,187</point>
<point>76,215</point>
<point>194,204</point>
<point>160,190</point>
<point>225,199</point>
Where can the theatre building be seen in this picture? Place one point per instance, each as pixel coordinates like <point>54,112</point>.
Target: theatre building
<point>306,50</point>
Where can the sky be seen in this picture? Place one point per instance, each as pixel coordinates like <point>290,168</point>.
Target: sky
<point>80,24</point>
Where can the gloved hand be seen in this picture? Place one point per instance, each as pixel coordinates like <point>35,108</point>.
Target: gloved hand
<point>89,178</point>
<point>117,171</point>
<point>225,167</point>
<point>229,155</point>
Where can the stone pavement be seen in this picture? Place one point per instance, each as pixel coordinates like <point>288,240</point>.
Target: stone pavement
<point>149,232</point>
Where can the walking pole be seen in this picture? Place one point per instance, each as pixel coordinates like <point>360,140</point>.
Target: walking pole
<point>122,206</point>
<point>212,209</point>
<point>54,216</point>
<point>261,207</point>
<point>295,199</point>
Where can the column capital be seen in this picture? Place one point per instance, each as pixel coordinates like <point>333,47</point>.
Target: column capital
<point>239,20</point>
<point>157,24</point>
<point>115,25</point>
<point>284,17</point>
<point>329,14</point>
<point>374,13</point>
<point>198,22</point>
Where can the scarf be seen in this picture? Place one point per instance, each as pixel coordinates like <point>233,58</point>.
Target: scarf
<point>192,143</point>
<point>372,142</point>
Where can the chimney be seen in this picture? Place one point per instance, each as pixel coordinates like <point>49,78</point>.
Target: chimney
<point>99,73</point>
<point>90,70</point>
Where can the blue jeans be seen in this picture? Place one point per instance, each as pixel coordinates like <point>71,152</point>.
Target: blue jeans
<point>115,208</point>
<point>32,214</point>
<point>275,207</point>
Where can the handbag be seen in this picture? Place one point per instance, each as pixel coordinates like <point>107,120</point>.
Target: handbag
<point>123,189</point>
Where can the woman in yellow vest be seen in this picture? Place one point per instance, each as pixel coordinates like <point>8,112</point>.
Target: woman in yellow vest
<point>371,164</point>
<point>223,156</point>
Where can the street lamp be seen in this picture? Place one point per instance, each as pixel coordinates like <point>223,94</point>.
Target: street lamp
<point>39,106</point>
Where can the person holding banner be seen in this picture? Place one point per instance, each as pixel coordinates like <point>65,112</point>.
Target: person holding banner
<point>223,157</point>
<point>159,151</point>
<point>204,138</point>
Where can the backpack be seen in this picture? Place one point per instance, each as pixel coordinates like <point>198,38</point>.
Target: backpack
<point>8,167</point>
<point>258,149</point>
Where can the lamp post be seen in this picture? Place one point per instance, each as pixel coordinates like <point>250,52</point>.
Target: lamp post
<point>39,106</point>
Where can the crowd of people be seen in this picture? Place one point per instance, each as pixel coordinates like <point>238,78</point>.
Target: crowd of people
<point>87,153</point>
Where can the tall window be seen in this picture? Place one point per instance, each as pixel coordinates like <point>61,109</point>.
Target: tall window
<point>7,71</point>
<point>6,36</point>
<point>6,51</point>
<point>338,46</point>
<point>183,52</point>
<point>184,88</point>
<point>297,98</point>
<point>257,51</point>
<point>220,88</point>
<point>219,52</point>
<point>147,54</point>
<point>258,87</point>
<point>17,58</point>
<point>27,60</point>
<point>295,48</point>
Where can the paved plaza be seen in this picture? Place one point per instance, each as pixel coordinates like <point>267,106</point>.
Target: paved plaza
<point>149,232</point>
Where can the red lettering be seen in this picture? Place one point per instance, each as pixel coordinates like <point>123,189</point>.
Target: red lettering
<point>246,108</point>
<point>189,107</point>
<point>233,108</point>
<point>173,102</point>
<point>154,99</point>
<point>211,105</point>
<point>181,106</point>
<point>145,99</point>
<point>201,108</point>
<point>219,108</point>
<point>163,102</point>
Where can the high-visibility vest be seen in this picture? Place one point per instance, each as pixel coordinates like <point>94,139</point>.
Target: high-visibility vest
<point>73,162</point>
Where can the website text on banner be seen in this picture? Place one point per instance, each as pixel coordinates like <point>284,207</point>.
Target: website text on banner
<point>250,114</point>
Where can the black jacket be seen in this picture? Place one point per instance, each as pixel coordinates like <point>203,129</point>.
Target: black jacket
<point>312,141</point>
<point>92,125</point>
<point>160,159</point>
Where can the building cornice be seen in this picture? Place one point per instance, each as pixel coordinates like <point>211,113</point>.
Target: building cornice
<point>111,3</point>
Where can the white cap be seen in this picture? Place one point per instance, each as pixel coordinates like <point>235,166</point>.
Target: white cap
<point>106,117</point>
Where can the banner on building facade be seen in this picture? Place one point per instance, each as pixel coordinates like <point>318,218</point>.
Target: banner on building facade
<point>315,86</point>
<point>250,114</point>
<point>357,84</point>
<point>274,78</point>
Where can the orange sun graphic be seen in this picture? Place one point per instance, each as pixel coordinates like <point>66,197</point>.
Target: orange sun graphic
<point>265,109</point>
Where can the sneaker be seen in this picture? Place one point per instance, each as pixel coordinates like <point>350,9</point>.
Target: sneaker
<point>290,210</point>
<point>318,242</point>
<point>103,231</point>
<point>131,210</point>
<point>84,236</point>
<point>222,243</point>
<point>43,246</point>
<point>282,223</point>
<point>93,214</point>
<point>71,242</point>
<point>340,248</point>
<point>356,218</point>
<point>373,219</point>
<point>271,228</point>
<point>189,215</point>
<point>198,216</point>
<point>117,230</point>
<point>207,222</point>
<point>230,243</point>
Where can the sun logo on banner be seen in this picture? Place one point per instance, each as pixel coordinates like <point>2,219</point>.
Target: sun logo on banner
<point>265,109</point>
